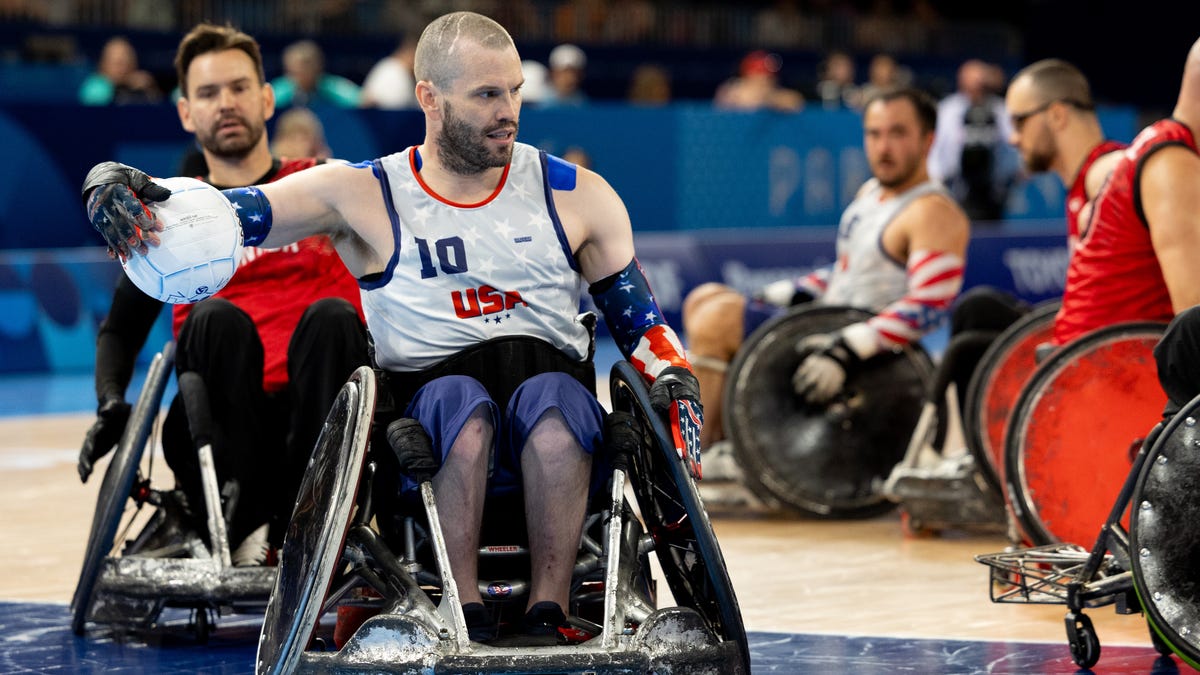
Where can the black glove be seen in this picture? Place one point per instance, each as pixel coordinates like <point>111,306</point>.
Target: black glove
<point>113,194</point>
<point>106,432</point>
<point>675,395</point>
<point>674,383</point>
<point>413,448</point>
<point>826,362</point>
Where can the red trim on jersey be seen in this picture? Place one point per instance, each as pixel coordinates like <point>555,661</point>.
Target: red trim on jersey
<point>412,162</point>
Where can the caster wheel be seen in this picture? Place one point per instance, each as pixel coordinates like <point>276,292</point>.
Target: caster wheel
<point>1081,637</point>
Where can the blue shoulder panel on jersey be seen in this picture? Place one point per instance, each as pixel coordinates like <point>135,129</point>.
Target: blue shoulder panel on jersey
<point>366,164</point>
<point>560,172</point>
<point>254,213</point>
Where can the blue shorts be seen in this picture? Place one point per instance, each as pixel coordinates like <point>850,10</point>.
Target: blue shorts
<point>757,313</point>
<point>443,406</point>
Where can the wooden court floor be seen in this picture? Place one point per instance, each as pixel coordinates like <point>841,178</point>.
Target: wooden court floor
<point>792,576</point>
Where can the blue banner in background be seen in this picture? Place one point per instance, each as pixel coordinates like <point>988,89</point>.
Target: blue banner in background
<point>680,168</point>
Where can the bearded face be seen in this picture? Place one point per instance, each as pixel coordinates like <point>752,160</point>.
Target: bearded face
<point>464,148</point>
<point>231,135</point>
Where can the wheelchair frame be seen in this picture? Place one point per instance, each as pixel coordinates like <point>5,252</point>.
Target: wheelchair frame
<point>131,590</point>
<point>414,634</point>
<point>1107,574</point>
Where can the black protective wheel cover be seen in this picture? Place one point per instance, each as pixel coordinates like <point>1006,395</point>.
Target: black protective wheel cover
<point>317,532</point>
<point>1165,535</point>
<point>118,482</point>
<point>675,517</point>
<point>829,460</point>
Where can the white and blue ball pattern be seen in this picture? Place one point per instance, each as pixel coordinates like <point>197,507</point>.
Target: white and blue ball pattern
<point>201,244</point>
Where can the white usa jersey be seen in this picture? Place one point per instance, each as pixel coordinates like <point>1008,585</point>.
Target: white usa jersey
<point>864,275</point>
<point>461,274</point>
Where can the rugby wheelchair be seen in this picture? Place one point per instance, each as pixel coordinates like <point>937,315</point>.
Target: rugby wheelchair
<point>830,460</point>
<point>347,547</point>
<point>141,561</point>
<point>1075,439</point>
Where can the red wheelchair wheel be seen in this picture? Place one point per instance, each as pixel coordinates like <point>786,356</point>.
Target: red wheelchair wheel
<point>1068,445</point>
<point>1003,370</point>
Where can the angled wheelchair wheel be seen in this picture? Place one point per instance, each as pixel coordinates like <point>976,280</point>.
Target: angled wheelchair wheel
<point>1164,536</point>
<point>1075,429</point>
<point>675,517</point>
<point>118,482</point>
<point>829,460</point>
<point>996,383</point>
<point>316,534</point>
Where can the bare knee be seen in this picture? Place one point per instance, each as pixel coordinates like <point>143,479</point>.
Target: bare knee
<point>473,445</point>
<point>712,321</point>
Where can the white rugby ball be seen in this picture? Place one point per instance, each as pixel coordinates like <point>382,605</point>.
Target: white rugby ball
<point>201,243</point>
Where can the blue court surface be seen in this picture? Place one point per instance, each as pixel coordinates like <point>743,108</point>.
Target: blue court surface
<point>38,639</point>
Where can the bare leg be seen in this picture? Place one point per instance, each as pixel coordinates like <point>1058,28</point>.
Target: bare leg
<point>712,322</point>
<point>556,472</point>
<point>459,487</point>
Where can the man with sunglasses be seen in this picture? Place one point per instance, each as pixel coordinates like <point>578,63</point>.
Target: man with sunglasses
<point>1140,237</point>
<point>1054,127</point>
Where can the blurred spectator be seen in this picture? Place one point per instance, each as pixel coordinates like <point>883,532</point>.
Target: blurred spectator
<point>970,152</point>
<point>578,156</point>
<point>306,83</point>
<point>117,78</point>
<point>390,83</point>
<point>630,22</point>
<point>567,65</point>
<point>783,25</point>
<point>757,87</point>
<point>537,82</point>
<point>836,87</point>
<point>883,73</point>
<point>299,133</point>
<point>579,19</point>
<point>650,84</point>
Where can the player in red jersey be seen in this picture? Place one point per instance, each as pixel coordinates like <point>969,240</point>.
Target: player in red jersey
<point>273,347</point>
<point>1136,259</point>
<point>1169,200</point>
<point>1055,128</point>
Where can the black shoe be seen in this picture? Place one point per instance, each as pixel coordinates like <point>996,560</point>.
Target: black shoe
<point>542,622</point>
<point>480,627</point>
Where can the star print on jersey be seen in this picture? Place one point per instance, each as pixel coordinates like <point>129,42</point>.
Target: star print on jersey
<point>465,273</point>
<point>253,211</point>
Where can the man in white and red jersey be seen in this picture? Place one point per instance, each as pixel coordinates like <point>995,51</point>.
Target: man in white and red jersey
<point>274,346</point>
<point>468,242</point>
<point>900,251</point>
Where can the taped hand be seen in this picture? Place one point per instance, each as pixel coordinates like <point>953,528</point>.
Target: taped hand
<point>114,194</point>
<point>675,395</point>
<point>826,360</point>
<point>106,432</point>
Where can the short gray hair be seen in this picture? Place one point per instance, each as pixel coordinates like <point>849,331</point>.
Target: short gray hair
<point>437,59</point>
